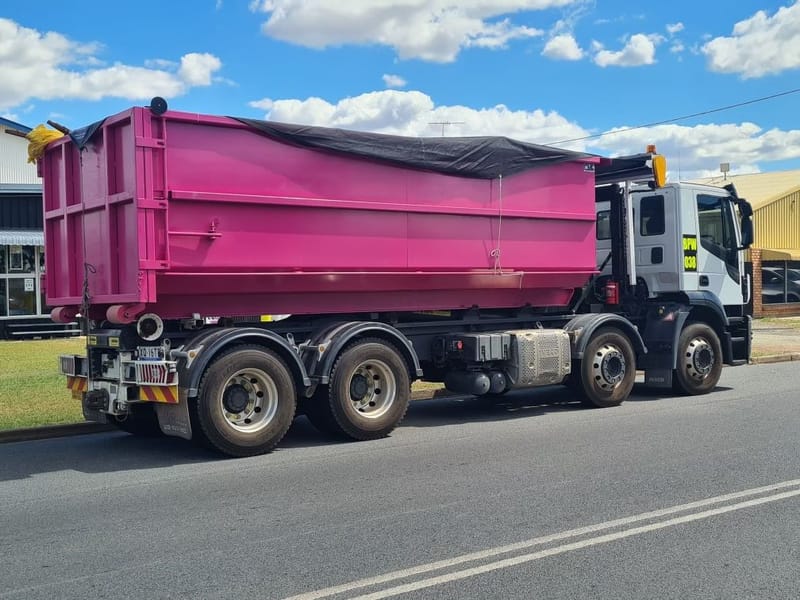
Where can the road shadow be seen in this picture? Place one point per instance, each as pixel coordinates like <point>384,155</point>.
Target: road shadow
<point>641,393</point>
<point>97,453</point>
<point>518,404</point>
<point>110,452</point>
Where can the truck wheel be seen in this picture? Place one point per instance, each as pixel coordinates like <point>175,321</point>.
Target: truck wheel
<point>246,402</point>
<point>699,363</point>
<point>368,393</point>
<point>142,421</point>
<point>608,369</point>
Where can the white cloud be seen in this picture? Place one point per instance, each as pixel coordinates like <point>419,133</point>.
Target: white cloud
<point>264,104</point>
<point>677,48</point>
<point>639,50</point>
<point>563,47</point>
<point>414,113</point>
<point>197,69</point>
<point>674,28</point>
<point>394,81</point>
<point>761,45</point>
<point>49,65</point>
<point>432,30</point>
<point>696,149</point>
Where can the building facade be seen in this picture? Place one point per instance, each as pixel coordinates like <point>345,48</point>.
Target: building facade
<point>22,304</point>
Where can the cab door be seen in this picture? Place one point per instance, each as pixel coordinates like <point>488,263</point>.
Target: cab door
<point>719,266</point>
<point>656,240</point>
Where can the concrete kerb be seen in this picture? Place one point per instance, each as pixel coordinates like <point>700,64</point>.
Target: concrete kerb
<point>775,358</point>
<point>51,431</point>
<point>55,431</point>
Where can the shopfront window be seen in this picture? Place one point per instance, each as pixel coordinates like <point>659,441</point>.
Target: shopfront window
<point>21,296</point>
<point>21,259</point>
<point>780,282</point>
<point>20,290</point>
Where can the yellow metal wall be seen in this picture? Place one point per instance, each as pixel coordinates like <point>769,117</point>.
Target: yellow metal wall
<point>777,225</point>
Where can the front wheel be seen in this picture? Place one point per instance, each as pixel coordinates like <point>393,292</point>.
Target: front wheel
<point>247,402</point>
<point>607,372</point>
<point>699,363</point>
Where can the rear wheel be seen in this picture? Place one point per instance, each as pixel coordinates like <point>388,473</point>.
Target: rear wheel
<point>368,393</point>
<point>699,363</point>
<point>608,369</point>
<point>246,402</point>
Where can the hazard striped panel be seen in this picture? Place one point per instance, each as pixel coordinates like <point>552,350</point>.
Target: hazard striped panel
<point>77,384</point>
<point>163,394</point>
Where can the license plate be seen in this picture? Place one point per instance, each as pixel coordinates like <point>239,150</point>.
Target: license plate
<point>150,352</point>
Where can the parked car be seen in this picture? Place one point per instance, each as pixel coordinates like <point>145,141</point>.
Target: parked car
<point>773,286</point>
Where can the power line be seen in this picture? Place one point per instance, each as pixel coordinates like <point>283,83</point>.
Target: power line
<point>675,119</point>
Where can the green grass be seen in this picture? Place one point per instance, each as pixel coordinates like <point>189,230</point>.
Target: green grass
<point>32,391</point>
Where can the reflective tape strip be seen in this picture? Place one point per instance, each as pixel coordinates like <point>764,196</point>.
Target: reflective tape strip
<point>77,384</point>
<point>163,394</point>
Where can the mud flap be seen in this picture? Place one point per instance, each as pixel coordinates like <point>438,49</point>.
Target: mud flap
<point>173,419</point>
<point>94,404</point>
<point>658,378</point>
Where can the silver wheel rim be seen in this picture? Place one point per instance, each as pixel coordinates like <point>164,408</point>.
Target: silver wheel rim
<point>700,358</point>
<point>608,367</point>
<point>372,389</point>
<point>249,400</point>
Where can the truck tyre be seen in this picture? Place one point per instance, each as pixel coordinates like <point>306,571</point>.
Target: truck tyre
<point>246,402</point>
<point>368,393</point>
<point>142,421</point>
<point>699,363</point>
<point>608,369</point>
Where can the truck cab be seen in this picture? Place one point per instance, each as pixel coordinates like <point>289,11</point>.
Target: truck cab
<point>670,259</point>
<point>686,238</point>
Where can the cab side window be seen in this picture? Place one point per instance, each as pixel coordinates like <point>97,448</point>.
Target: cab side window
<point>711,216</point>
<point>651,218</point>
<point>603,228</point>
<point>716,229</point>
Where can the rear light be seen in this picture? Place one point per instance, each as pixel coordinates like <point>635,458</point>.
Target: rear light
<point>67,365</point>
<point>612,292</point>
<point>150,373</point>
<point>72,364</point>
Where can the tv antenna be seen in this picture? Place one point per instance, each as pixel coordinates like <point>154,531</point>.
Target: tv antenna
<point>445,124</point>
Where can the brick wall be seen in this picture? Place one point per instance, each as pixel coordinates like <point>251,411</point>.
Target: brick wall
<point>779,310</point>
<point>755,259</point>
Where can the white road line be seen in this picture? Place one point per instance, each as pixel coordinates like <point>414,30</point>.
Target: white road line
<point>493,552</point>
<point>603,539</point>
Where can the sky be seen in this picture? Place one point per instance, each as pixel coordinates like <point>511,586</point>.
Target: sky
<point>580,74</point>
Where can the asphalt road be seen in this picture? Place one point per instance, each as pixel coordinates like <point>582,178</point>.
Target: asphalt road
<point>659,498</point>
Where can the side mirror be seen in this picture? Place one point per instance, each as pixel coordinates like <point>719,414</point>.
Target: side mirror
<point>747,232</point>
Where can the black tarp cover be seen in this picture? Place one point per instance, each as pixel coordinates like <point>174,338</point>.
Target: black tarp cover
<point>473,157</point>
<point>81,137</point>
